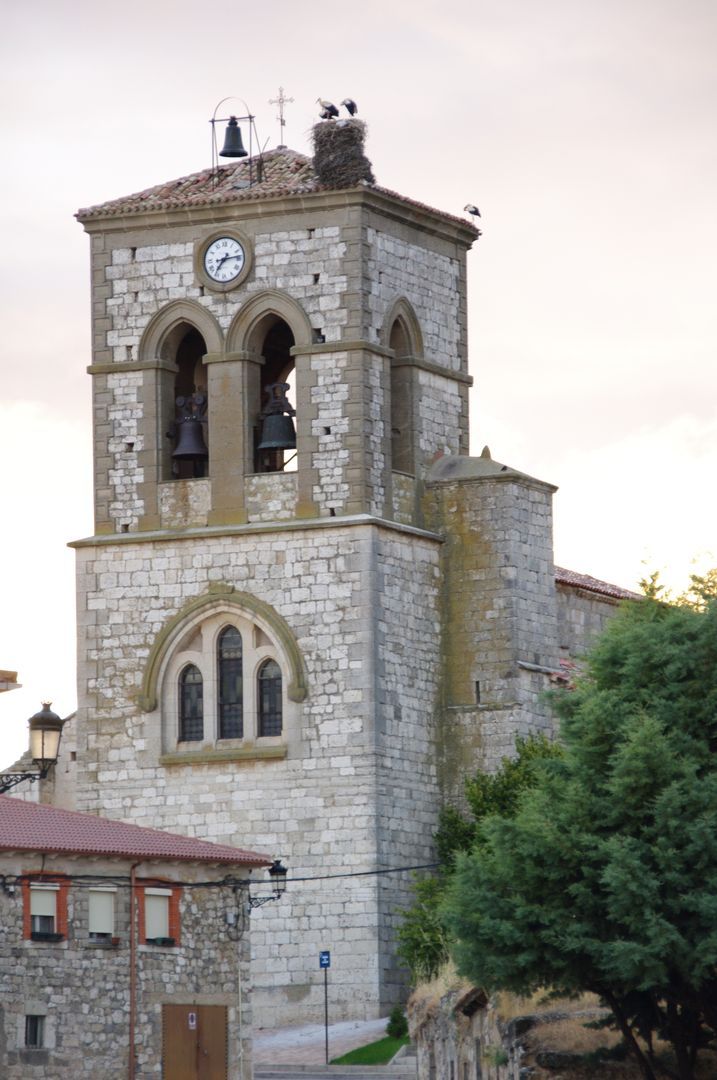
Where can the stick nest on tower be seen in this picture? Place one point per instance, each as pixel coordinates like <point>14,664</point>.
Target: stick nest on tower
<point>339,158</point>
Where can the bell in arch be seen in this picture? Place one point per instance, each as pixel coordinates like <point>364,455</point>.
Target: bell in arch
<point>189,433</point>
<point>277,429</point>
<point>233,146</point>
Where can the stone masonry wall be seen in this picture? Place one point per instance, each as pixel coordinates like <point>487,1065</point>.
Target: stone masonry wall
<point>376,434</point>
<point>326,806</point>
<point>124,414</point>
<point>582,616</point>
<point>330,426</point>
<point>408,667</point>
<point>498,614</point>
<point>318,266</point>
<point>442,418</point>
<point>429,280</point>
<point>137,282</point>
<point>144,279</point>
<point>271,496</point>
<point>82,989</point>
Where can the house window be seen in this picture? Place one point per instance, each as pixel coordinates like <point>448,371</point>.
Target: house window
<point>45,909</point>
<point>191,704</point>
<point>101,914</point>
<point>269,698</point>
<point>35,1031</point>
<point>159,915</point>
<point>230,681</point>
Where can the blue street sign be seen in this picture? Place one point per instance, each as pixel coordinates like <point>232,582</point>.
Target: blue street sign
<point>325,959</point>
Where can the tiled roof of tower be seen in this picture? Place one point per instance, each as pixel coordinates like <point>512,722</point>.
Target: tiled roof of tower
<point>591,584</point>
<point>27,826</point>
<point>284,172</point>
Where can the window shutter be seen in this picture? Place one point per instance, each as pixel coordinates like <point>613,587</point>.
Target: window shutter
<point>156,913</point>
<point>43,901</point>
<point>102,912</point>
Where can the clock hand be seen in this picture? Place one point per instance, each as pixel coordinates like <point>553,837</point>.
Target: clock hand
<point>225,257</point>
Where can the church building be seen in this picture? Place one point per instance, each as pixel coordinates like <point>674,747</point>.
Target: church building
<point>305,612</point>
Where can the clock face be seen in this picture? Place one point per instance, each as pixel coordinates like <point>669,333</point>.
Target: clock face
<point>224,259</point>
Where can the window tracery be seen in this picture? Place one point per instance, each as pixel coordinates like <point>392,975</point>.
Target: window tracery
<point>223,686</point>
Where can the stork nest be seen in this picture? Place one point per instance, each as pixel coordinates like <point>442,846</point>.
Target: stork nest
<point>339,158</point>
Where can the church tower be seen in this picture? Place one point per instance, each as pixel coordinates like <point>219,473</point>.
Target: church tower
<point>295,649</point>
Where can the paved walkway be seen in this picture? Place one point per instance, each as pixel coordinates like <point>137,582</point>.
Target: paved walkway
<point>305,1045</point>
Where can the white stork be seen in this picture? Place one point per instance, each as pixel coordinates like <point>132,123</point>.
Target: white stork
<point>471,209</point>
<point>350,106</point>
<point>328,109</point>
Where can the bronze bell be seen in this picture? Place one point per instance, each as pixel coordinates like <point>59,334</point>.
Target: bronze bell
<point>277,433</point>
<point>277,429</point>
<point>233,146</point>
<point>189,429</point>
<point>190,439</point>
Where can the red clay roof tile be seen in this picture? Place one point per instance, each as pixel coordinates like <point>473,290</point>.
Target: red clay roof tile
<point>28,826</point>
<point>284,172</point>
<point>591,584</point>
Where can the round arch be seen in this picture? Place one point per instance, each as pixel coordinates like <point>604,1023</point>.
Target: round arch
<point>249,326</point>
<point>175,315</point>
<point>215,602</point>
<point>402,311</point>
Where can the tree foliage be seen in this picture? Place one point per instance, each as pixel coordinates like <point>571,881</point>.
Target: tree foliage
<point>422,936</point>
<point>605,877</point>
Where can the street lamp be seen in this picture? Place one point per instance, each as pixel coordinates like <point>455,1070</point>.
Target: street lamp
<point>45,733</point>
<point>277,873</point>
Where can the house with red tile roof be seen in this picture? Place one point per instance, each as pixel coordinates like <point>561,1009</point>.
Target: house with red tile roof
<point>124,951</point>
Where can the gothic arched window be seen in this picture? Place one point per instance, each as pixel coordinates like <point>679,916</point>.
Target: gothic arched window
<point>230,685</point>
<point>191,704</point>
<point>268,693</point>
<point>230,682</point>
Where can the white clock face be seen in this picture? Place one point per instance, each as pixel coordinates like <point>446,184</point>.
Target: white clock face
<point>224,259</point>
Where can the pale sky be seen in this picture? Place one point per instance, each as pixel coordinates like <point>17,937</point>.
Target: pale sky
<point>585,130</point>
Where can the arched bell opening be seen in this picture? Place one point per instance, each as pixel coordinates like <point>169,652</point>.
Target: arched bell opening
<point>275,427</point>
<point>402,422</point>
<point>186,452</point>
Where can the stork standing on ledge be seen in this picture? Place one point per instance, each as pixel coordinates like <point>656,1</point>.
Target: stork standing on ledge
<point>471,209</point>
<point>328,109</point>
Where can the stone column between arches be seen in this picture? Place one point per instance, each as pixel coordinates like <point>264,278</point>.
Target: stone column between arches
<point>233,380</point>
<point>157,413</point>
<point>342,434</point>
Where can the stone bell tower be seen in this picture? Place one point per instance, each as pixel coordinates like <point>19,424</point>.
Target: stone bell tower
<point>261,627</point>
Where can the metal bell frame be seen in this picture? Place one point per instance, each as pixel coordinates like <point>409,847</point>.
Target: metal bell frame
<point>233,121</point>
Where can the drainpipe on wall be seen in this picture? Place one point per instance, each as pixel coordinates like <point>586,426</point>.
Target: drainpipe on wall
<point>132,969</point>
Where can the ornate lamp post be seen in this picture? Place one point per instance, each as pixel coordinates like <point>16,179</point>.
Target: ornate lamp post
<point>277,873</point>
<point>45,734</point>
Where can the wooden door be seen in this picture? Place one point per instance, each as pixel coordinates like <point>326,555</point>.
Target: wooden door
<point>194,1042</point>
